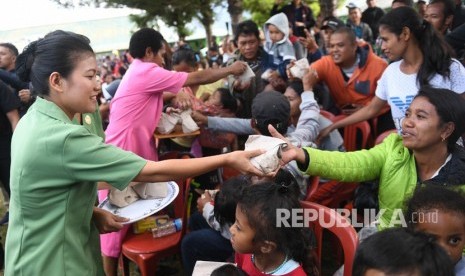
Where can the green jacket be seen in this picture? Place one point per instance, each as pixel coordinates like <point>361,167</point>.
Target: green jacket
<point>390,162</point>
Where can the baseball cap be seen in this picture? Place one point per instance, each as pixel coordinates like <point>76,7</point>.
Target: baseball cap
<point>332,23</point>
<point>352,5</point>
<point>271,107</point>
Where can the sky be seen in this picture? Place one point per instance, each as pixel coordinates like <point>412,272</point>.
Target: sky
<point>28,13</point>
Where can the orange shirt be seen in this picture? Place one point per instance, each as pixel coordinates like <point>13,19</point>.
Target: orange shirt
<point>361,86</point>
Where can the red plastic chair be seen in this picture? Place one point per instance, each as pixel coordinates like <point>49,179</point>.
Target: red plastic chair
<point>228,173</point>
<point>350,134</point>
<point>383,135</point>
<point>341,229</point>
<point>146,251</point>
<point>333,194</point>
<point>314,183</point>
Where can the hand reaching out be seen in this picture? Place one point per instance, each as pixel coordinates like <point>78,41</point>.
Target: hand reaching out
<point>182,100</point>
<point>238,68</point>
<point>107,222</point>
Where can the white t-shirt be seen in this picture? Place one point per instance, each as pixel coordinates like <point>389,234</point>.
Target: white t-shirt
<point>399,89</point>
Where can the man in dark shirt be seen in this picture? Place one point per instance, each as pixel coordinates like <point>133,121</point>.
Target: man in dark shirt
<point>9,117</point>
<point>372,15</point>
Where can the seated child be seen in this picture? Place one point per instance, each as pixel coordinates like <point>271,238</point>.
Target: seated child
<point>263,248</point>
<point>440,213</point>
<point>399,251</point>
<point>211,242</point>
<point>278,46</point>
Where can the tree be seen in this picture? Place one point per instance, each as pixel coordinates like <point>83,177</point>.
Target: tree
<point>235,9</point>
<point>175,13</point>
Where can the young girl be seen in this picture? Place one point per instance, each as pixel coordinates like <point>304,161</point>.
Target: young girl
<point>440,212</point>
<point>400,251</point>
<point>212,243</point>
<point>262,247</point>
<point>421,58</point>
<point>56,164</point>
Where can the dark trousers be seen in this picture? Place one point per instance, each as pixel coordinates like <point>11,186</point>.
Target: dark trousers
<point>204,244</point>
<point>5,162</point>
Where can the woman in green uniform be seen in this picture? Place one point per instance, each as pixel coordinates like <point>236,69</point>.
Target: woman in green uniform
<point>56,164</point>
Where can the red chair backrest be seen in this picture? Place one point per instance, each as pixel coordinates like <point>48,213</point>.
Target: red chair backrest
<point>350,134</point>
<point>341,228</point>
<point>383,135</point>
<point>328,115</point>
<point>314,182</point>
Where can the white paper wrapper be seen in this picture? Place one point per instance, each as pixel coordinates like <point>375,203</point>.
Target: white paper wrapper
<point>151,190</point>
<point>167,123</point>
<point>300,68</point>
<point>247,75</point>
<point>269,161</point>
<point>205,268</point>
<point>266,74</point>
<point>188,124</point>
<point>122,198</point>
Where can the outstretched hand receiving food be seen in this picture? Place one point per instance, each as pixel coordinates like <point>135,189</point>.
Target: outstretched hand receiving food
<point>182,100</point>
<point>240,160</point>
<point>290,152</point>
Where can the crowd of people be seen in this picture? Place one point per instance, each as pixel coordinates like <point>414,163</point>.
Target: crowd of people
<point>74,125</point>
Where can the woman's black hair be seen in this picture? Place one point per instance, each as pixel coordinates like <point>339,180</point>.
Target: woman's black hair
<point>436,52</point>
<point>144,38</point>
<point>226,199</point>
<point>450,108</point>
<point>398,251</point>
<point>227,100</point>
<point>260,203</point>
<point>297,86</point>
<point>228,270</point>
<point>59,51</point>
<point>431,197</point>
<point>185,55</point>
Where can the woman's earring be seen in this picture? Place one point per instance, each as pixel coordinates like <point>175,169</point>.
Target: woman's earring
<point>443,139</point>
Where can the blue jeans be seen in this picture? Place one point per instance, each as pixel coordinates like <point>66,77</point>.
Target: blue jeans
<point>206,245</point>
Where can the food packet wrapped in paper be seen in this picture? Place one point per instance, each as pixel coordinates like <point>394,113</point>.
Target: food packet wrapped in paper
<point>268,161</point>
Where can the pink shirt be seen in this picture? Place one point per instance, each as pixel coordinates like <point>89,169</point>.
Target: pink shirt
<point>137,106</point>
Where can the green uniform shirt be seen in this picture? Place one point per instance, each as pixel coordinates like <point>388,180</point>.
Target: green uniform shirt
<point>54,167</point>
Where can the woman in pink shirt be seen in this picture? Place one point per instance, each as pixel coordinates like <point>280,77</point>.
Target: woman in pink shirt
<point>137,107</point>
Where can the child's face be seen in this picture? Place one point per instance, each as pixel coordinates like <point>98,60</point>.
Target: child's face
<point>275,34</point>
<point>242,234</point>
<point>448,231</point>
<point>215,99</point>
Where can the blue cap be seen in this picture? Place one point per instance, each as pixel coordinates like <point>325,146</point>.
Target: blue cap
<point>178,224</point>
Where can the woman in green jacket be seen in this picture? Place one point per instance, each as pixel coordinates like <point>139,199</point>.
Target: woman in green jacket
<point>425,153</point>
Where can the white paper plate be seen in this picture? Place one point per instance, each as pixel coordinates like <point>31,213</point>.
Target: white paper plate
<point>142,208</point>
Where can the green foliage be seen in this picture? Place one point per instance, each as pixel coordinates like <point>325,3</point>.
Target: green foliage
<point>260,10</point>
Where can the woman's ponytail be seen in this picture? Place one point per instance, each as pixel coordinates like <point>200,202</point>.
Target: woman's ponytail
<point>25,60</point>
<point>436,54</point>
